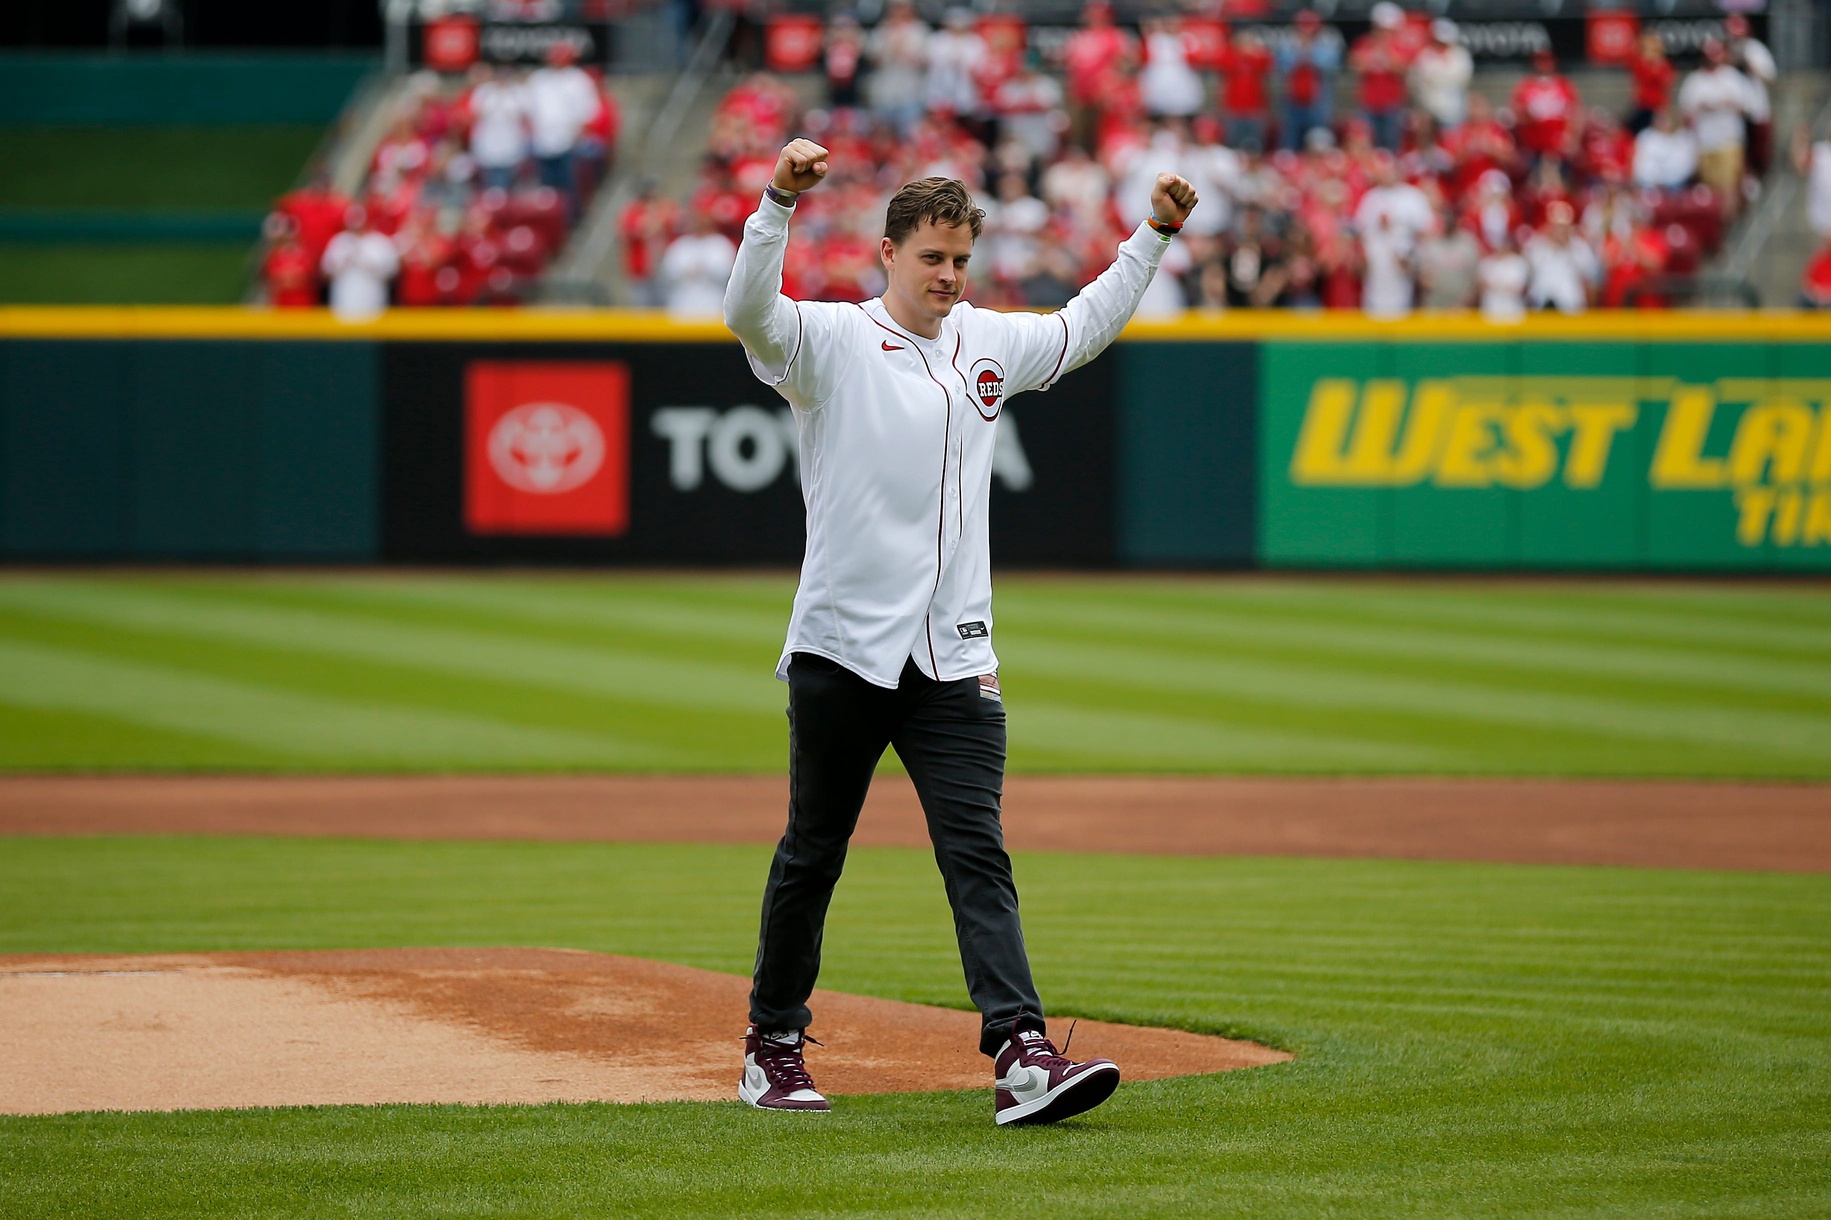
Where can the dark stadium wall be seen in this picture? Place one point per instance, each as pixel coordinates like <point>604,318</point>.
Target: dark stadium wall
<point>157,90</point>
<point>206,450</point>
<point>1187,472</point>
<point>207,23</point>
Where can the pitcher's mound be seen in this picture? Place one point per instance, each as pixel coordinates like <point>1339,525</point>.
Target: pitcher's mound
<point>206,1031</point>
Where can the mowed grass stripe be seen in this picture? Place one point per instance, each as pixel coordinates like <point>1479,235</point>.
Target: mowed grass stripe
<point>1222,628</point>
<point>1331,687</point>
<point>1108,674</point>
<point>1733,620</point>
<point>659,610</point>
<point>285,723</point>
<point>604,673</point>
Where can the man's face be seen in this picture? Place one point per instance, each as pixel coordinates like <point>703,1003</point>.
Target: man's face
<point>928,271</point>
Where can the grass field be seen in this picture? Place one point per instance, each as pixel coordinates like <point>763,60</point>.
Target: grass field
<point>517,672</point>
<point>212,168</point>
<point>167,170</point>
<point>1473,1039</point>
<point>124,273</point>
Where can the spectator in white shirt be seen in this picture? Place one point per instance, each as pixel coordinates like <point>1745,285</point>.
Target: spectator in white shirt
<point>1813,161</point>
<point>1078,183</point>
<point>359,262</point>
<point>1014,224</point>
<point>696,268</point>
<point>1029,108</point>
<point>498,127</point>
<point>1665,154</point>
<point>1440,75</point>
<point>1213,169</point>
<point>1716,100</point>
<point>1168,86</point>
<point>1750,56</point>
<point>1563,265</point>
<point>561,99</point>
<point>1503,275</point>
<point>1390,219</point>
<point>898,49</point>
<point>955,53</point>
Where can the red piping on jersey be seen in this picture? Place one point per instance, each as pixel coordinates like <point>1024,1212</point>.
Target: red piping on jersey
<point>947,432</point>
<point>1064,355</point>
<point>800,329</point>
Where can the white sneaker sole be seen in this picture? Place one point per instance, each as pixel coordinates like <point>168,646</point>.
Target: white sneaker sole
<point>755,1102</point>
<point>1073,1096</point>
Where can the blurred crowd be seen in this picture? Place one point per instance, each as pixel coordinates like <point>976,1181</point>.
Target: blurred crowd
<point>1369,176</point>
<point>468,197</point>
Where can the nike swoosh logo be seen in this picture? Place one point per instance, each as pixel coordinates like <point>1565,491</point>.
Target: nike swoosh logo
<point>892,347</point>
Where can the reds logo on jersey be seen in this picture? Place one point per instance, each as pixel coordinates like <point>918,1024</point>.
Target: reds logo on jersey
<point>987,381</point>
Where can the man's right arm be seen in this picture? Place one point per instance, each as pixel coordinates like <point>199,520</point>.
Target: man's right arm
<point>766,322</point>
<point>771,327</point>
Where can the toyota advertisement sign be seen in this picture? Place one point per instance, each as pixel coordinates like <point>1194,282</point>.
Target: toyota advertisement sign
<point>675,453</point>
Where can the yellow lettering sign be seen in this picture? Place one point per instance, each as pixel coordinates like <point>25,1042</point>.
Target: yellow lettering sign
<point>1678,460</point>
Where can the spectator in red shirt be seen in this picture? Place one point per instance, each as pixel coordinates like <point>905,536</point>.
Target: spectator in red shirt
<point>1307,65</point>
<point>289,271</point>
<point>426,256</point>
<point>1606,150</point>
<point>1379,62</point>
<point>1481,144</point>
<point>318,210</point>
<point>1097,57</point>
<point>843,58</point>
<point>1653,80</point>
<point>1815,285</point>
<point>649,223</point>
<point>596,150</point>
<point>1545,110</point>
<point>1245,65</point>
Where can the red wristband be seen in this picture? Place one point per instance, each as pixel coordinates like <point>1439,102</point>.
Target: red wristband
<point>1166,229</point>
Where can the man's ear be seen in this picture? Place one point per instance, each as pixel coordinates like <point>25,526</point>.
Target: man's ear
<point>886,252</point>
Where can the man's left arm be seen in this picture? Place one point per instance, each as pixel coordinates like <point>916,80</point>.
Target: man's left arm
<point>1048,345</point>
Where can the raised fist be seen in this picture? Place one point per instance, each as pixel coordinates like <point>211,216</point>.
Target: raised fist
<point>800,167</point>
<point>1172,199</point>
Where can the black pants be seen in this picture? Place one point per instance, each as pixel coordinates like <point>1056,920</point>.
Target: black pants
<point>951,739</point>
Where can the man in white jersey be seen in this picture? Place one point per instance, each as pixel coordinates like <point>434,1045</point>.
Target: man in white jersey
<point>897,402</point>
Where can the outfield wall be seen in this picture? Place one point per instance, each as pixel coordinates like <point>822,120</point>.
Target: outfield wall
<point>1633,442</point>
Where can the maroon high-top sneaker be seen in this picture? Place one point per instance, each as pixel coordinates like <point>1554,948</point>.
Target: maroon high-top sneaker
<point>775,1078</point>
<point>1036,1084</point>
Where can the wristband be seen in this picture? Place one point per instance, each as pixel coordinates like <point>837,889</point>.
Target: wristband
<point>785,198</point>
<point>1168,230</point>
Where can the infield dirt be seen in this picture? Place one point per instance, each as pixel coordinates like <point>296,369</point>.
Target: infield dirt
<point>1781,827</point>
<point>223,1030</point>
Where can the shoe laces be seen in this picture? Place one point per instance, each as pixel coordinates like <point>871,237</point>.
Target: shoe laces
<point>1042,1052</point>
<point>784,1065</point>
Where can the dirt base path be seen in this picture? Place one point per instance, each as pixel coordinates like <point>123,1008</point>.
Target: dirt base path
<point>222,1030</point>
<point>1677,825</point>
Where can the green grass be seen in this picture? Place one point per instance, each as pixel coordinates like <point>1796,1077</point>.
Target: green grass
<point>633,672</point>
<point>169,170</point>
<point>124,273</point>
<point>212,168</point>
<point>1474,1039</point>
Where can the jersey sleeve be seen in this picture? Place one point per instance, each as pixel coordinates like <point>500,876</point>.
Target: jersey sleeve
<point>790,344</point>
<point>1043,347</point>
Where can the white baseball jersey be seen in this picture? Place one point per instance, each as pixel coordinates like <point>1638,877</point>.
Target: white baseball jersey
<point>896,436</point>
